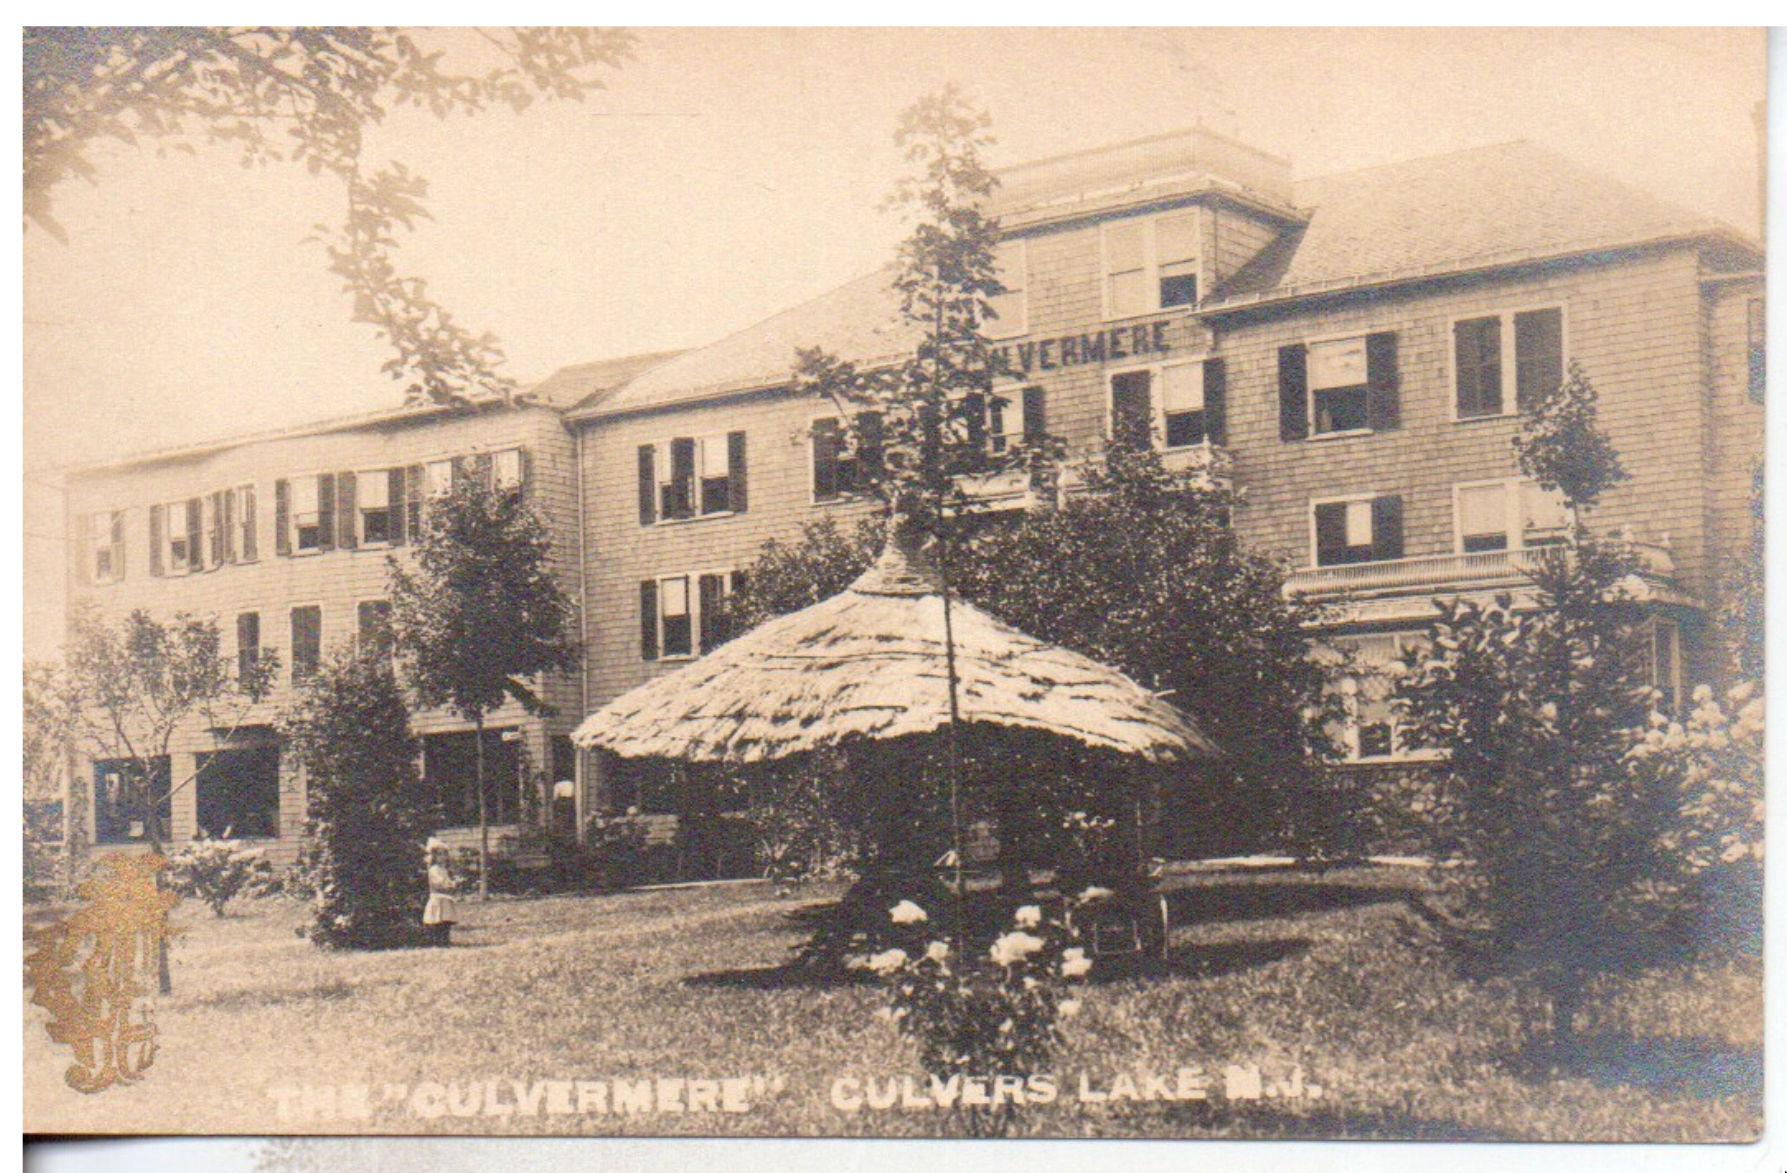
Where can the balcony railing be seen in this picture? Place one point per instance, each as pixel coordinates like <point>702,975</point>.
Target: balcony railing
<point>1485,569</point>
<point>1212,464</point>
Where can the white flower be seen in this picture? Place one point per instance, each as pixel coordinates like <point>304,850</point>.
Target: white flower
<point>1028,917</point>
<point>1075,963</point>
<point>937,951</point>
<point>1095,893</point>
<point>907,913</point>
<point>1014,947</point>
<point>1068,1008</point>
<point>886,963</point>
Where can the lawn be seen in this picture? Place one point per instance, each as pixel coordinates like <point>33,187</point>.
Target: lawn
<point>1272,971</point>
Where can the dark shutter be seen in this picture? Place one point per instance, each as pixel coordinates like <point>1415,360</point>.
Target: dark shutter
<point>157,540</point>
<point>413,495</point>
<point>462,472</point>
<point>282,517</point>
<point>1538,356</point>
<point>325,512</point>
<point>250,521</point>
<point>648,485</point>
<point>1293,392</point>
<point>1036,427</point>
<point>524,469</point>
<point>195,535</point>
<point>1132,408</point>
<point>396,492</point>
<point>1386,529</point>
<point>1330,534</point>
<point>1383,397</point>
<point>83,549</point>
<point>118,544</point>
<point>478,468</point>
<point>735,466</point>
<point>711,593</point>
<point>825,459</point>
<point>248,642</point>
<point>347,496</point>
<point>681,502</point>
<point>220,527</point>
<point>871,448</point>
<point>1476,352</point>
<point>1216,401</point>
<point>648,619</point>
<point>974,415</point>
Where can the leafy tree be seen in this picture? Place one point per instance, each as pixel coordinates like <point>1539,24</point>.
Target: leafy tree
<point>369,810</point>
<point>217,871</point>
<point>480,614</point>
<point>47,734</point>
<point>306,95</point>
<point>139,683</point>
<point>1570,864</point>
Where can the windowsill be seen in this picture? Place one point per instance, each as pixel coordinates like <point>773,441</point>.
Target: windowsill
<point>1399,759</point>
<point>1348,434</point>
<point>844,499</point>
<point>1483,419</point>
<point>680,658</point>
<point>699,517</point>
<point>310,553</point>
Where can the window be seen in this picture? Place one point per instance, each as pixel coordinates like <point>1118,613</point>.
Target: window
<point>1665,663</point>
<point>248,643</point>
<point>307,642</point>
<point>1507,515</point>
<point>506,470</point>
<point>1503,363</point>
<point>1757,331</point>
<point>845,465</point>
<point>1358,529</point>
<point>238,793</point>
<point>174,537</point>
<point>1008,418</point>
<point>374,624</point>
<point>1010,311</point>
<point>123,788</point>
<point>450,766</point>
<point>374,499</point>
<point>310,514</point>
<point>1150,264</point>
<point>1190,409</point>
<point>243,525</point>
<point>1371,728</point>
<point>683,615</point>
<point>692,476</point>
<point>1337,386</point>
<point>103,542</point>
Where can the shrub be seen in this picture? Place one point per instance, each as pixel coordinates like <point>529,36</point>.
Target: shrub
<point>981,1016</point>
<point>217,871</point>
<point>369,811</point>
<point>617,851</point>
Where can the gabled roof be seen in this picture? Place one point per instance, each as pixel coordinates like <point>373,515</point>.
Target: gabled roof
<point>1464,210</point>
<point>587,384</point>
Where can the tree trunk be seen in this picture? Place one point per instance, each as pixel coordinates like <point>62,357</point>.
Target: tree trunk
<point>164,974</point>
<point>483,815</point>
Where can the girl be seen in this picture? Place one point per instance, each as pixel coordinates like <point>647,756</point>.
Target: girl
<point>442,909</point>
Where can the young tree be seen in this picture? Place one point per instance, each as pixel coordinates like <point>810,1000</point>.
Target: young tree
<point>369,811</point>
<point>1568,857</point>
<point>139,684</point>
<point>480,614</point>
<point>306,95</point>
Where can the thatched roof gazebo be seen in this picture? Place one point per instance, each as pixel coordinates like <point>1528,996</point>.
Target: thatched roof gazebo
<point>872,663</point>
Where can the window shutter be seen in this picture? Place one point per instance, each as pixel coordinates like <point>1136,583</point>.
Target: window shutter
<point>158,540</point>
<point>871,448</point>
<point>461,472</point>
<point>221,502</point>
<point>524,469</point>
<point>825,459</point>
<point>1330,533</point>
<point>735,463</point>
<point>282,518</point>
<point>1476,353</point>
<point>1293,392</point>
<point>478,468</point>
<point>1383,401</point>
<point>974,415</point>
<point>195,535</point>
<point>1036,428</point>
<point>396,487</point>
<point>1538,356</point>
<point>682,477</point>
<point>248,641</point>
<point>413,495</point>
<point>347,495</point>
<point>648,485</point>
<point>1216,403</point>
<point>1132,408</point>
<point>250,522</point>
<point>325,512</point>
<point>83,549</point>
<point>711,595</point>
<point>118,544</point>
<point>1386,528</point>
<point>648,619</point>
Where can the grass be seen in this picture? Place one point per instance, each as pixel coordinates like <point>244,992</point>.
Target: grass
<point>1277,970</point>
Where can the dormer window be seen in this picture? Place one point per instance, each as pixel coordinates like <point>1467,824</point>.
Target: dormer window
<point>1150,263</point>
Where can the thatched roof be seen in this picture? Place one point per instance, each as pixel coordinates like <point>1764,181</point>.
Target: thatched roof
<point>869,663</point>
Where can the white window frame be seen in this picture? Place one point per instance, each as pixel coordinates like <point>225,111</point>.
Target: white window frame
<point>1675,694</point>
<point>358,603</point>
<point>661,472</point>
<point>1514,515</point>
<point>360,509</point>
<point>1309,388</point>
<point>1510,355</point>
<point>1157,422</point>
<point>496,463</point>
<point>1016,325</point>
<point>1343,498</point>
<point>853,497</point>
<point>694,577</point>
<point>1351,730</point>
<point>169,511</point>
<point>1150,261</point>
<point>298,549</point>
<point>106,520</point>
<point>322,646</point>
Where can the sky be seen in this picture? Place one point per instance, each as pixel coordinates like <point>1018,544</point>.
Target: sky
<point>728,174</point>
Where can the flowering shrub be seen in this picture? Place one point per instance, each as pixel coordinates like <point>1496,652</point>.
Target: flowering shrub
<point>983,1015</point>
<point>1714,764</point>
<point>216,871</point>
